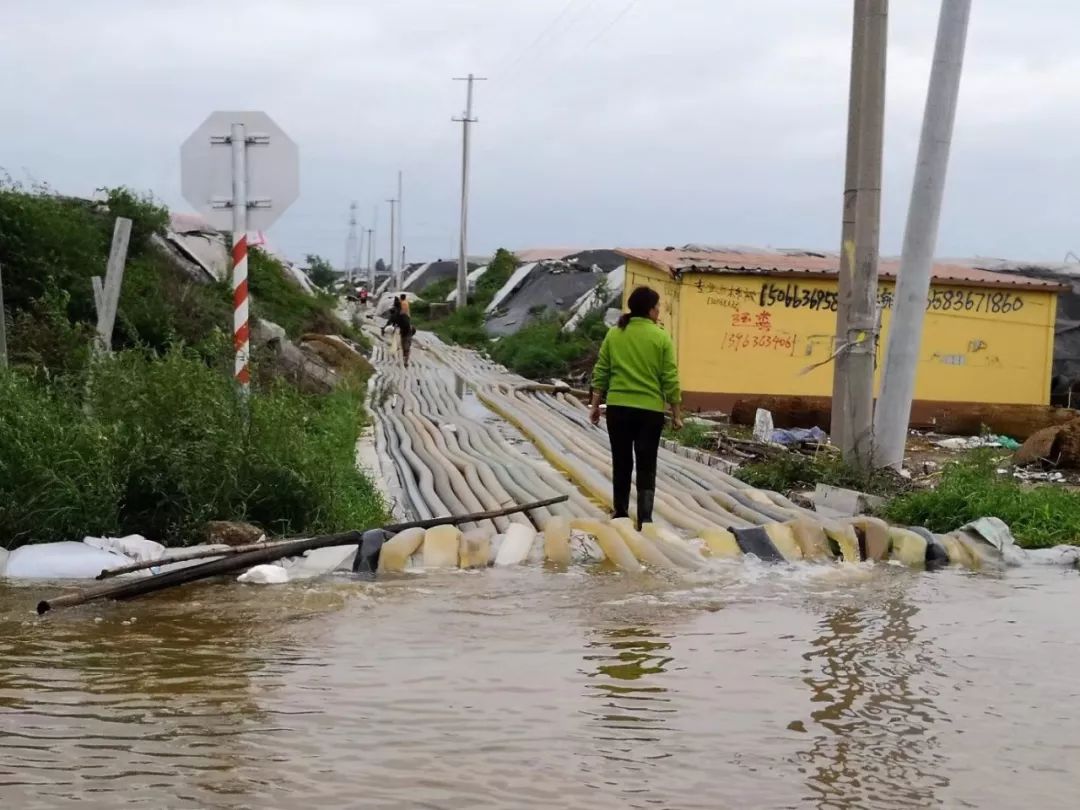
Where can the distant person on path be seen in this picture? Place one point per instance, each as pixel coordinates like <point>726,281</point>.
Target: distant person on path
<point>391,319</point>
<point>636,370</point>
<point>406,330</point>
<point>405,305</point>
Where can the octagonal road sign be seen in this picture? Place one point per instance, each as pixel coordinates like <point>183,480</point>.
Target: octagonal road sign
<point>273,169</point>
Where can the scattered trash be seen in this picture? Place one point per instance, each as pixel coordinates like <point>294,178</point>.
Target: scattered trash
<point>975,442</point>
<point>838,502</point>
<point>1020,474</point>
<point>794,436</point>
<point>763,425</point>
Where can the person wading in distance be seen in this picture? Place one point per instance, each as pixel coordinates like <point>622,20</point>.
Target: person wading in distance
<point>636,370</point>
<point>391,318</point>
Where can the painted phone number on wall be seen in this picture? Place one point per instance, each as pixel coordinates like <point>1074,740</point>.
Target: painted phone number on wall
<point>792,296</point>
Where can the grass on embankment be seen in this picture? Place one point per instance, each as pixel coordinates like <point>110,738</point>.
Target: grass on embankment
<point>157,446</point>
<point>153,440</point>
<point>969,488</point>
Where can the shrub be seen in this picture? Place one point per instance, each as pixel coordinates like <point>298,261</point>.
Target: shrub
<point>542,349</point>
<point>463,326</point>
<point>52,246</point>
<point>501,267</point>
<point>162,449</point>
<point>58,476</point>
<point>438,290</point>
<point>277,297</point>
<point>790,471</point>
<point>972,488</point>
<point>693,434</point>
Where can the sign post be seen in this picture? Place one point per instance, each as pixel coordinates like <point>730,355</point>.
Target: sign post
<point>241,172</point>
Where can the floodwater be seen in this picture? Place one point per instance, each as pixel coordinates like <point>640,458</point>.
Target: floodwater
<point>830,687</point>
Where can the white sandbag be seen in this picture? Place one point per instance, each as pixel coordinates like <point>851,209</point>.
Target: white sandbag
<point>135,546</point>
<point>517,545</point>
<point>64,560</point>
<point>1058,555</point>
<point>264,575</point>
<point>320,561</point>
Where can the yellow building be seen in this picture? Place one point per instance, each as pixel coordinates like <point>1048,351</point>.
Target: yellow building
<point>756,326</point>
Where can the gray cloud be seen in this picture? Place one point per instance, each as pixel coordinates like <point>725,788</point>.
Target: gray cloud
<point>673,121</point>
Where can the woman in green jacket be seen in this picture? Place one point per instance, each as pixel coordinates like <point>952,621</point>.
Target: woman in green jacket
<point>636,370</point>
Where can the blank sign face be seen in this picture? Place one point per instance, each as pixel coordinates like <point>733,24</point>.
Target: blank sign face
<point>273,169</point>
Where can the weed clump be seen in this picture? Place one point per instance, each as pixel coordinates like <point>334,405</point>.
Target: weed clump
<point>159,446</point>
<point>971,488</point>
<point>790,472</point>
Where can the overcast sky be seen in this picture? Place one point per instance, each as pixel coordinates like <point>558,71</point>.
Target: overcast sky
<point>603,123</point>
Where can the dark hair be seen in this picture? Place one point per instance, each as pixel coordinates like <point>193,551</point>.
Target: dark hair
<point>640,303</point>
<point>403,296</point>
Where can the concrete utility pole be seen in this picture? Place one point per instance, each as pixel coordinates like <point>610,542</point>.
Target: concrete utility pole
<point>859,351</point>
<point>359,257</point>
<point>466,121</point>
<point>400,223</point>
<point>107,293</point>
<point>395,280</point>
<point>352,257</point>
<point>920,237</point>
<point>3,324</point>
<point>847,233</point>
<point>370,259</point>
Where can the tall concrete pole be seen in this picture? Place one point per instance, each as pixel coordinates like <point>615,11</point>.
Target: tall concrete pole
<point>861,344</point>
<point>920,237</point>
<point>463,259</point>
<point>847,232</point>
<point>400,222</point>
<point>395,279</point>
<point>371,260</point>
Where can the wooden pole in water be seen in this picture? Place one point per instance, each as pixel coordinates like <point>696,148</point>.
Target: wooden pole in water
<point>245,557</point>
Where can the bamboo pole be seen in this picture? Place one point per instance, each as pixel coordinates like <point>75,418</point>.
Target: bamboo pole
<point>248,556</point>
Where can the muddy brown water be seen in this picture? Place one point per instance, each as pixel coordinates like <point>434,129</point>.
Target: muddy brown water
<point>746,687</point>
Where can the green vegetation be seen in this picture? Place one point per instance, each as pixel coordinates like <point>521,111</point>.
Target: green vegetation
<point>465,326</point>
<point>438,290</point>
<point>502,266</point>
<point>160,449</point>
<point>51,247</point>
<point>539,349</point>
<point>542,349</point>
<point>790,472</point>
<point>278,298</point>
<point>972,488</point>
<point>151,439</point>
<point>694,434</point>
<point>321,272</point>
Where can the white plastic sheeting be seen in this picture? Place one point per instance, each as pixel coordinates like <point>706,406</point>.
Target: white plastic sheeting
<point>612,283</point>
<point>516,280</point>
<point>63,560</point>
<point>415,275</point>
<point>134,546</point>
<point>470,280</point>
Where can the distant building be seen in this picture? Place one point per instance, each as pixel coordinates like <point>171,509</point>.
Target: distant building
<point>760,324</point>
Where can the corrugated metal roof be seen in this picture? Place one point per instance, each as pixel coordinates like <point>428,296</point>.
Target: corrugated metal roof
<point>544,254</point>
<point>809,263</point>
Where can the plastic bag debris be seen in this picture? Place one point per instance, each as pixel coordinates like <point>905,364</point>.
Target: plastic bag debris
<point>794,436</point>
<point>975,442</point>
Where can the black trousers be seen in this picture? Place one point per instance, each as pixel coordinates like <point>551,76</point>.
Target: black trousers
<point>634,433</point>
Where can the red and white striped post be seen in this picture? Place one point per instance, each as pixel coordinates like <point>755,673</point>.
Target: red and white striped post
<point>241,329</point>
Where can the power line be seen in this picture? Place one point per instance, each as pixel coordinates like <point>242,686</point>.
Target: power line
<point>618,17</point>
